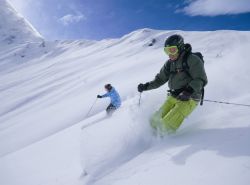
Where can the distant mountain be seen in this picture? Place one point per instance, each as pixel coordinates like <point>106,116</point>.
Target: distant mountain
<point>14,28</point>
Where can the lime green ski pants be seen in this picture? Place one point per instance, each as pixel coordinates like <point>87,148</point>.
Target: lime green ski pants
<point>171,114</point>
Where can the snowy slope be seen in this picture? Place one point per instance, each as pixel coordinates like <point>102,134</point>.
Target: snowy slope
<point>14,28</point>
<point>46,91</point>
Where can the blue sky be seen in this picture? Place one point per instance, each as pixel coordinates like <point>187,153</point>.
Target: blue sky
<point>99,19</point>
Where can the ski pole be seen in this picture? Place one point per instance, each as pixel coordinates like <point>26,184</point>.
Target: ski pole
<point>139,100</point>
<point>91,108</point>
<point>229,103</point>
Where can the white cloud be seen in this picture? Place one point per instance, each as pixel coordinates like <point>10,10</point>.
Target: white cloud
<point>216,7</point>
<point>70,18</point>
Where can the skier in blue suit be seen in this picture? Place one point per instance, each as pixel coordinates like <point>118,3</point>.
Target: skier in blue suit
<point>114,96</point>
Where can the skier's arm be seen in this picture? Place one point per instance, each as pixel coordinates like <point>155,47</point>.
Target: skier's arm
<point>160,79</point>
<point>197,72</point>
<point>106,95</point>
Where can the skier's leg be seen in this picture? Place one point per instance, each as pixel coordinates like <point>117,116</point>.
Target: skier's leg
<point>156,119</point>
<point>175,117</point>
<point>168,105</point>
<point>110,109</point>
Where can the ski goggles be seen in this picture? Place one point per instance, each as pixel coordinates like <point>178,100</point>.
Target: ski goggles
<point>171,50</point>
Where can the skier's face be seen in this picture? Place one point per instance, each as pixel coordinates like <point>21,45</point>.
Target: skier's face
<point>174,57</point>
<point>172,52</point>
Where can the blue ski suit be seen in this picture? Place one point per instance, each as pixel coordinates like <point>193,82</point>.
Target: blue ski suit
<point>114,97</point>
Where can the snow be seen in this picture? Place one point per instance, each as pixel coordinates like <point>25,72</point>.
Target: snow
<point>47,88</point>
<point>14,28</point>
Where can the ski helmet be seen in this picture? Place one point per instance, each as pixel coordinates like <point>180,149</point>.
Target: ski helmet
<point>108,87</point>
<point>175,40</point>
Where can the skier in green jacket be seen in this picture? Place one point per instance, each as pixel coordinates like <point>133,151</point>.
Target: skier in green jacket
<point>186,85</point>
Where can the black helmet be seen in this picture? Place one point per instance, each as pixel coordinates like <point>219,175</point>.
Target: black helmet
<point>175,40</point>
<point>108,87</point>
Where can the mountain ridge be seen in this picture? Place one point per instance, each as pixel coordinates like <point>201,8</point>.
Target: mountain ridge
<point>14,28</point>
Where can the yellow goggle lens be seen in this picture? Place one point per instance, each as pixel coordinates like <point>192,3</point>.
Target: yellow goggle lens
<point>171,50</point>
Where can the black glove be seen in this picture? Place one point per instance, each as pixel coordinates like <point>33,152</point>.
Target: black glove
<point>186,94</point>
<point>142,87</point>
<point>99,96</point>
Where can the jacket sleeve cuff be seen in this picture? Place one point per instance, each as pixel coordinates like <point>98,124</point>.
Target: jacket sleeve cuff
<point>146,86</point>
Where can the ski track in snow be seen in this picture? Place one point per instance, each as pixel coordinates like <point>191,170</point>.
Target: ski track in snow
<point>47,88</point>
